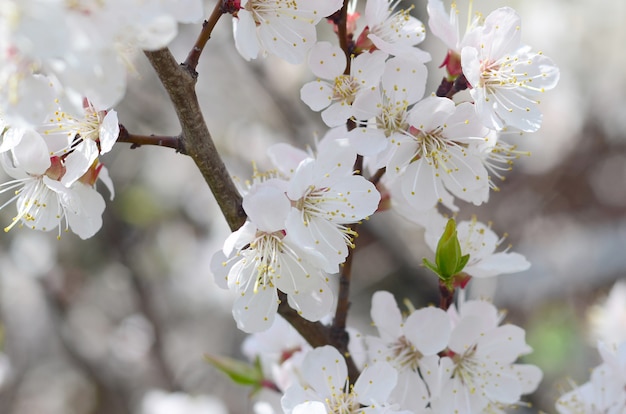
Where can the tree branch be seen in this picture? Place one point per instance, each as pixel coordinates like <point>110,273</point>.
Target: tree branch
<point>179,82</point>
<point>191,63</point>
<point>316,334</point>
<point>158,140</point>
<point>342,33</point>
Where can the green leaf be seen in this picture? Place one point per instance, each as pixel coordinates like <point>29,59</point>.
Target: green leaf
<point>240,372</point>
<point>431,266</point>
<point>448,255</point>
<point>463,263</point>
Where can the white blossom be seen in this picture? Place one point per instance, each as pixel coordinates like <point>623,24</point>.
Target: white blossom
<point>411,345</point>
<point>326,386</point>
<point>605,393</point>
<point>261,258</point>
<point>483,374</point>
<point>285,28</point>
<point>326,196</point>
<point>43,201</point>
<point>335,92</point>
<point>506,78</point>
<point>394,32</point>
<point>438,155</point>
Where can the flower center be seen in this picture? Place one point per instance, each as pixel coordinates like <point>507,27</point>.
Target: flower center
<point>433,146</point>
<point>345,89</point>
<point>404,354</point>
<point>391,29</point>
<point>343,402</point>
<point>393,117</point>
<point>267,247</point>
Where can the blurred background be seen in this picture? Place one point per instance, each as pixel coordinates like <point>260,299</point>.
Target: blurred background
<point>119,324</point>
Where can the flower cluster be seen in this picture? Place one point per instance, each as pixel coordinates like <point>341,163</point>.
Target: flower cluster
<point>63,66</point>
<point>461,360</point>
<point>606,390</point>
<point>296,233</point>
<point>83,45</point>
<point>55,167</point>
<point>429,361</point>
<point>431,149</point>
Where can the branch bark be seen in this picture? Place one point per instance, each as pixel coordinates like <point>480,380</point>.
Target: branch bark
<point>179,82</point>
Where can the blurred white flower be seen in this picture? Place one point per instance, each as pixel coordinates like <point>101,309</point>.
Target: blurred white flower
<point>162,402</point>
<point>608,320</point>
<point>605,393</point>
<point>43,201</point>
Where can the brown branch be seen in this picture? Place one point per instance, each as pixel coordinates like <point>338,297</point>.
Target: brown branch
<point>374,179</point>
<point>338,329</point>
<point>191,63</point>
<point>179,82</point>
<point>316,334</point>
<point>158,140</point>
<point>342,33</point>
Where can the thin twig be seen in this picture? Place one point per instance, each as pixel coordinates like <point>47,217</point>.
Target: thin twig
<point>158,140</point>
<point>205,34</point>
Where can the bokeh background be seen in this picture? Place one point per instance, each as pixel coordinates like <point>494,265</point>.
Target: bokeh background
<point>117,323</point>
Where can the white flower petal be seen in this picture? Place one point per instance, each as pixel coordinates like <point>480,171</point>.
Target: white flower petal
<point>317,95</point>
<point>267,205</point>
<point>386,315</point>
<point>375,383</point>
<point>324,369</point>
<point>244,30</point>
<point>428,329</point>
<point>254,311</point>
<point>326,60</point>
